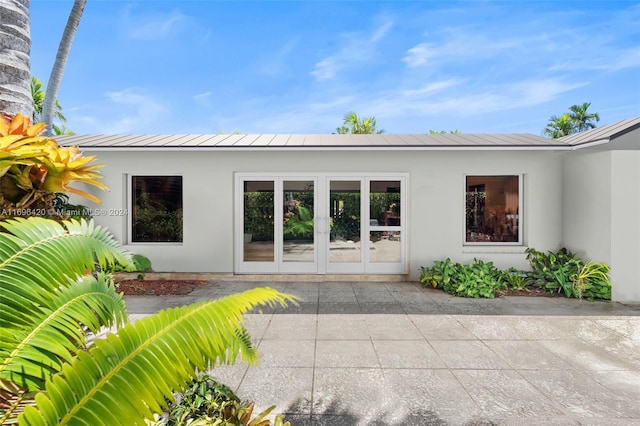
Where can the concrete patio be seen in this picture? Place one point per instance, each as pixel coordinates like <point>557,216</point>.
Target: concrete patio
<point>396,353</point>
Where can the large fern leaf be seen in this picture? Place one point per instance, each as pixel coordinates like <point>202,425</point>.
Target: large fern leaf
<point>47,299</point>
<point>41,257</point>
<point>125,378</point>
<point>30,356</point>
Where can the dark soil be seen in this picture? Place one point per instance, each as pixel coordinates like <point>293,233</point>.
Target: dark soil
<point>182,287</point>
<point>158,287</point>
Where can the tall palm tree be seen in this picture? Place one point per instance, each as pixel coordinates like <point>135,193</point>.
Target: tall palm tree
<point>37,93</point>
<point>358,125</point>
<point>581,119</point>
<point>15,64</point>
<point>64,48</point>
<point>559,126</point>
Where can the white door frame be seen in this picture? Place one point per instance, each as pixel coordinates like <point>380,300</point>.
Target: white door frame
<point>320,264</point>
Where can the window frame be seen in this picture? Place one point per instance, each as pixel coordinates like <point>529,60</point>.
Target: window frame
<point>130,209</point>
<point>520,242</point>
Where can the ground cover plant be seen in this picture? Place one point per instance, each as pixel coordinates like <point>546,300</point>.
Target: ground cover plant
<point>557,273</point>
<point>205,401</point>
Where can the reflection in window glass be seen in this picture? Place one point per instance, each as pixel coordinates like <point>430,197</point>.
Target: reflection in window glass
<point>298,222</point>
<point>385,246</point>
<point>492,209</point>
<point>259,221</point>
<point>157,209</point>
<point>384,203</point>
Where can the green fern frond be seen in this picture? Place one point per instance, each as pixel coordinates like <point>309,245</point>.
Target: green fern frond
<point>128,375</point>
<point>42,256</point>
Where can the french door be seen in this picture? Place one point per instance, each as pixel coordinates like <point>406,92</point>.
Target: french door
<point>320,223</point>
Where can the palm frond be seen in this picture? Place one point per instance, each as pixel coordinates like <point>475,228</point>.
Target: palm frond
<point>42,256</point>
<point>32,355</point>
<point>148,360</point>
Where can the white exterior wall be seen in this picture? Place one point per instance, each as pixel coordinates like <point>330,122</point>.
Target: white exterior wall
<point>601,210</point>
<point>586,204</point>
<point>625,225</point>
<point>436,199</point>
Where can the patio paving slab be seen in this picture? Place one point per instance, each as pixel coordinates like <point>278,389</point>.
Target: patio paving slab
<point>364,353</point>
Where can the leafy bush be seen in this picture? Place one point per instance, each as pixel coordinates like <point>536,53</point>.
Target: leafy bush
<point>208,402</point>
<point>564,272</point>
<point>592,282</point>
<point>516,279</point>
<point>478,279</point>
<point>140,263</point>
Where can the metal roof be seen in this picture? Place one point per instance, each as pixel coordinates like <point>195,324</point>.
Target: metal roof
<point>383,141</point>
<point>317,141</point>
<point>602,134</point>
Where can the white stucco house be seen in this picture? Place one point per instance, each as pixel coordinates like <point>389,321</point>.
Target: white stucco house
<point>372,204</point>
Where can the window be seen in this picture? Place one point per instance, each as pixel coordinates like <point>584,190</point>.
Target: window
<point>157,209</point>
<point>492,209</point>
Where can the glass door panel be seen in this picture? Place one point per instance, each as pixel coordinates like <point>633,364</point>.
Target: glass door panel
<point>345,221</point>
<point>258,224</point>
<point>298,221</point>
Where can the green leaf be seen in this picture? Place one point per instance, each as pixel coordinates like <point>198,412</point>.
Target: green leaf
<point>161,352</point>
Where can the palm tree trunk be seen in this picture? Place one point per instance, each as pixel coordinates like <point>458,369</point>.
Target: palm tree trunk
<point>61,60</point>
<point>15,64</point>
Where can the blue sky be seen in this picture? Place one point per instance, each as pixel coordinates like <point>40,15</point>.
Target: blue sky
<point>299,66</point>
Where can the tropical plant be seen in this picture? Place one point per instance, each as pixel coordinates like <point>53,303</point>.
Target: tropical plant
<point>300,224</point>
<point>439,275</point>
<point>559,126</point>
<point>443,132</point>
<point>47,299</point>
<point>581,119</point>
<point>207,402</point>
<point>49,296</point>
<point>592,282</point>
<point>64,48</point>
<point>575,121</point>
<point>352,124</point>
<point>15,32</point>
<point>516,279</point>
<point>37,92</point>
<point>477,279</point>
<point>34,168</point>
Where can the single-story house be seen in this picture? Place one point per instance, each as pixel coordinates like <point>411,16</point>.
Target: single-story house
<point>372,204</point>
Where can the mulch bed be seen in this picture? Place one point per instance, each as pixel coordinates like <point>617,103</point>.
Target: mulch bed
<point>182,287</point>
<point>158,287</point>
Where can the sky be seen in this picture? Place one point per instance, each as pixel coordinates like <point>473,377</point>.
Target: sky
<point>203,67</point>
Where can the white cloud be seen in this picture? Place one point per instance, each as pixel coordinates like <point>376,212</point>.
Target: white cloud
<point>419,55</point>
<point>356,49</point>
<point>155,27</point>
<point>137,110</point>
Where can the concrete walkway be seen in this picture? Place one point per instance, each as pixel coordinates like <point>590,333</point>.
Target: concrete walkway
<point>368,353</point>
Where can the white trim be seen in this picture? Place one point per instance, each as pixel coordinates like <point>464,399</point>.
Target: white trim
<point>129,217</point>
<point>335,148</point>
<point>321,264</point>
<point>520,242</point>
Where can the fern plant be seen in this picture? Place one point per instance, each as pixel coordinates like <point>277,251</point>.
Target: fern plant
<point>49,297</point>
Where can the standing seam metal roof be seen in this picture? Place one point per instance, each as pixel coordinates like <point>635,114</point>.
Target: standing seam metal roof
<point>349,141</point>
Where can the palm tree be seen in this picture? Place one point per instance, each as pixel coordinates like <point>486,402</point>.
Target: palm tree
<point>581,119</point>
<point>37,93</point>
<point>358,125</point>
<point>15,64</point>
<point>64,48</point>
<point>49,294</point>
<point>559,126</point>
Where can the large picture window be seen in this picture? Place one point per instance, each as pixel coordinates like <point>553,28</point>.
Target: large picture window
<point>157,209</point>
<point>492,209</point>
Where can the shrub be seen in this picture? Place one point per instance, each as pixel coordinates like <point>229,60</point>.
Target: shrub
<point>564,272</point>
<point>478,279</point>
<point>206,401</point>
